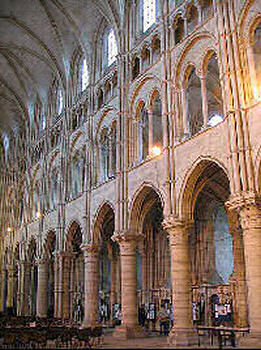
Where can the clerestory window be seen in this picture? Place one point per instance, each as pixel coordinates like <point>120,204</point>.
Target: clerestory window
<point>112,47</point>
<point>149,14</point>
<point>59,101</point>
<point>85,75</point>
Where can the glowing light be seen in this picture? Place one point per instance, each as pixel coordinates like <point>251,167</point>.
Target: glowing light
<point>38,215</point>
<point>156,151</point>
<point>9,229</point>
<point>216,119</point>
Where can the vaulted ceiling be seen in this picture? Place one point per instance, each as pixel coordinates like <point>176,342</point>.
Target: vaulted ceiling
<point>37,41</point>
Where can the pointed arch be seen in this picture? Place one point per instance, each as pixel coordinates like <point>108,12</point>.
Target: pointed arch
<point>145,196</point>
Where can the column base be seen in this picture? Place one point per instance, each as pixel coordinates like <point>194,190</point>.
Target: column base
<point>182,337</point>
<point>125,332</point>
<point>87,324</point>
<point>250,341</point>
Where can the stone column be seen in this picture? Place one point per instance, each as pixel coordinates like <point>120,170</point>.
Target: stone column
<point>240,304</point>
<point>42,285</point>
<point>91,288</point>
<point>184,112</point>
<point>2,288</point>
<point>25,287</point>
<point>113,261</point>
<point>250,215</point>
<point>56,286</point>
<point>10,286</point>
<point>66,258</point>
<point>150,120</point>
<point>204,100</point>
<point>129,327</point>
<point>182,333</point>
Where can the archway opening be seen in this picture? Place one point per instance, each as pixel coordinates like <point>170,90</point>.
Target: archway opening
<point>153,258</point>
<point>109,272</point>
<point>49,254</point>
<point>211,248</point>
<point>74,281</point>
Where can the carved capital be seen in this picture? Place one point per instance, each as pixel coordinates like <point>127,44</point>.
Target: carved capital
<point>127,241</point>
<point>90,249</point>
<point>177,230</point>
<point>244,200</point>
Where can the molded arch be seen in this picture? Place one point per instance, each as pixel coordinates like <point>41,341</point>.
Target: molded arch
<point>49,239</point>
<point>137,209</point>
<point>139,86</point>
<point>70,232</point>
<point>97,221</point>
<point>187,198</point>
<point>182,57</point>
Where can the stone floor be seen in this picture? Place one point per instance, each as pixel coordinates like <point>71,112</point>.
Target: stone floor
<point>152,341</point>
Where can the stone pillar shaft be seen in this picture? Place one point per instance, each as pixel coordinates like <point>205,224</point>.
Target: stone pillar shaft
<point>66,286</point>
<point>10,286</point>
<point>181,333</point>
<point>240,305</point>
<point>25,287</point>
<point>91,289</point>
<point>129,284</point>
<point>42,285</point>
<point>251,224</point>
<point>2,286</point>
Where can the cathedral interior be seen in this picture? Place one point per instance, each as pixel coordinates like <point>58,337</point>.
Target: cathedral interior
<point>130,170</point>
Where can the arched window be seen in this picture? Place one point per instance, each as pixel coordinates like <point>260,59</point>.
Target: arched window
<point>43,122</point>
<point>257,58</point>
<point>53,190</point>
<point>143,133</point>
<point>100,97</point>
<point>192,16</point>
<point>208,8</point>
<point>59,101</point>
<point>179,31</point>
<point>104,155</point>
<point>155,48</point>
<point>135,67</point>
<point>76,177</point>
<point>194,103</point>
<point>112,47</point>
<point>84,75</point>
<point>157,121</point>
<point>149,13</point>
<point>113,149</point>
<point>145,56</point>
<point>214,93</point>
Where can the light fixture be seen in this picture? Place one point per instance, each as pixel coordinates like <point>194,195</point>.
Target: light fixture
<point>38,215</point>
<point>156,151</point>
<point>215,119</point>
<point>257,92</point>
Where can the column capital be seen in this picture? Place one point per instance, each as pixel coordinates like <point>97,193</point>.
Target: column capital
<point>244,200</point>
<point>126,236</point>
<point>41,261</point>
<point>127,241</point>
<point>90,248</point>
<point>172,223</point>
